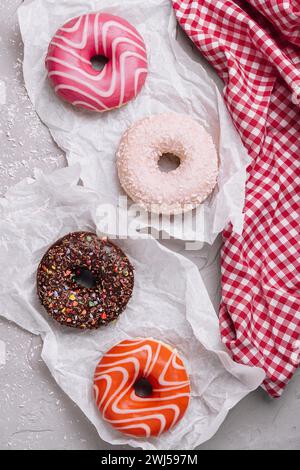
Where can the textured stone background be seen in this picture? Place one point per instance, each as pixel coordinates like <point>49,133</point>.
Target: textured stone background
<point>34,412</point>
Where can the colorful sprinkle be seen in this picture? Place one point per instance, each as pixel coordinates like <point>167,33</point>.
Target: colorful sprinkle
<point>64,296</point>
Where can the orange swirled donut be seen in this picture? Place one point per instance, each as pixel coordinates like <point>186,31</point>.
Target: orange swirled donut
<point>141,387</point>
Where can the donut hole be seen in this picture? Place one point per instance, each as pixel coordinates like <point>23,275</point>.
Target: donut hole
<point>168,162</point>
<point>98,62</point>
<point>143,388</point>
<point>84,278</point>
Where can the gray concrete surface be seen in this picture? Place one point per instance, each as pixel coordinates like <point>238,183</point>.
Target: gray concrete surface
<point>34,412</point>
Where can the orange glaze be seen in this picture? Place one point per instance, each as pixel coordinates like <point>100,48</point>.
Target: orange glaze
<point>116,375</point>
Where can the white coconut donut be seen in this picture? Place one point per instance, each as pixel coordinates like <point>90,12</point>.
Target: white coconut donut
<point>179,190</point>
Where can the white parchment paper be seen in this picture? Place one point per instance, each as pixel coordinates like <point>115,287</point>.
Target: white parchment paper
<point>169,303</point>
<point>175,83</point>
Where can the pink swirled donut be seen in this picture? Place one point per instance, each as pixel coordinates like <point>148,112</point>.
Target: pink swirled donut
<point>81,39</point>
<point>179,190</point>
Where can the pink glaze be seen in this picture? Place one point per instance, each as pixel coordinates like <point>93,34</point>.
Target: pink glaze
<point>69,62</point>
<point>179,190</point>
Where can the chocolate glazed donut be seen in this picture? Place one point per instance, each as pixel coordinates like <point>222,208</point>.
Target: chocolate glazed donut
<point>84,281</point>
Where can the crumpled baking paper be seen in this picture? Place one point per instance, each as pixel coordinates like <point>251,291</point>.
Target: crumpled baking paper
<point>175,83</point>
<point>169,303</point>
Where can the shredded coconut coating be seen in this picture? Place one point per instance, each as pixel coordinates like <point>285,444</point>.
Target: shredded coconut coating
<point>179,190</point>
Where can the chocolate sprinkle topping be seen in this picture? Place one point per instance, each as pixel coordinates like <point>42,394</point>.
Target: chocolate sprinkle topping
<point>84,281</point>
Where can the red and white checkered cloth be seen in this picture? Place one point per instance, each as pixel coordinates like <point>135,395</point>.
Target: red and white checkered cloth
<point>255,47</point>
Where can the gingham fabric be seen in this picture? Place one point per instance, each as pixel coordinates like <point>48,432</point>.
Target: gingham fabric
<point>255,47</point>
